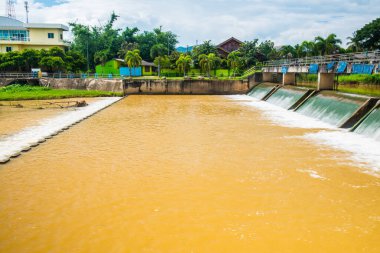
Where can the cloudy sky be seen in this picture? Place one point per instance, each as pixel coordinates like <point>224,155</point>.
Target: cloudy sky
<point>283,21</point>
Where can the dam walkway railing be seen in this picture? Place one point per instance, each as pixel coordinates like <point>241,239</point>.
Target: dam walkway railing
<point>371,57</point>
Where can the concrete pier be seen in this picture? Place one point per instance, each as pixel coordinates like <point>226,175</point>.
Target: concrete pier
<point>267,77</point>
<point>325,81</point>
<point>289,79</point>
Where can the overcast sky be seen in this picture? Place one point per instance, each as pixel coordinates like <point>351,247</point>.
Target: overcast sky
<point>283,21</point>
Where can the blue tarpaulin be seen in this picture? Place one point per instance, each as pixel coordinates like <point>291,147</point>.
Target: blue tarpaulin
<point>357,69</point>
<point>313,68</point>
<point>368,68</point>
<point>342,65</point>
<point>284,69</point>
<point>124,71</point>
<point>362,69</point>
<point>330,65</point>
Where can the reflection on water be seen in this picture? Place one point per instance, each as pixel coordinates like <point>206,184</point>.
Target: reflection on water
<point>186,174</point>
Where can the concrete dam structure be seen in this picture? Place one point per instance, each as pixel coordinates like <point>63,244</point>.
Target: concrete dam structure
<point>360,114</point>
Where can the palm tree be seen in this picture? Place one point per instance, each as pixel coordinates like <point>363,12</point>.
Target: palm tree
<point>234,61</point>
<point>308,48</point>
<point>353,44</point>
<point>133,60</point>
<point>157,52</point>
<point>183,63</point>
<point>203,63</point>
<point>213,63</point>
<point>328,45</point>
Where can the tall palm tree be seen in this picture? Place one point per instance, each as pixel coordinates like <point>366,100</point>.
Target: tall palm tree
<point>213,63</point>
<point>203,63</point>
<point>353,44</point>
<point>234,61</point>
<point>157,52</point>
<point>133,60</point>
<point>308,48</point>
<point>183,63</point>
<point>327,45</point>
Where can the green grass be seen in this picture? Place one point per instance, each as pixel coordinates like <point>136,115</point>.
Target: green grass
<point>26,92</point>
<point>360,90</point>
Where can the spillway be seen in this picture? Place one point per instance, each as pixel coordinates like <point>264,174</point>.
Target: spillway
<point>261,90</point>
<point>286,96</point>
<point>331,107</point>
<point>370,126</point>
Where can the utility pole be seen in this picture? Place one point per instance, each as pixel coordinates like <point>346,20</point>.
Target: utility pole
<point>27,11</point>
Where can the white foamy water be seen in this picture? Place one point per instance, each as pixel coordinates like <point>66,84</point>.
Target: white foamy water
<point>14,144</point>
<point>280,115</point>
<point>365,151</point>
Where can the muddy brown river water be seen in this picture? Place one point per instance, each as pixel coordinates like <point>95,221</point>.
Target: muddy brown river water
<point>186,174</point>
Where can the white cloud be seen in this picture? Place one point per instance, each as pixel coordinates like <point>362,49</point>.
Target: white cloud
<point>285,22</point>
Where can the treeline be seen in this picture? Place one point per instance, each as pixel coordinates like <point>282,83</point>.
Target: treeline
<point>103,43</point>
<point>52,60</point>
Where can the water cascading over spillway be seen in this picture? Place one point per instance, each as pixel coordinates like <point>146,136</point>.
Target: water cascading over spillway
<point>261,90</point>
<point>333,108</point>
<point>371,125</point>
<point>286,96</point>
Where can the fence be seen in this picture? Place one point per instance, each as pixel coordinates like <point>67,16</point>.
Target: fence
<point>360,57</point>
<point>62,75</point>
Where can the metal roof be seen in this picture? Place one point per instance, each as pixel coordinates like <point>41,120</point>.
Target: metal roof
<point>143,63</point>
<point>14,24</point>
<point>11,24</point>
<point>43,25</point>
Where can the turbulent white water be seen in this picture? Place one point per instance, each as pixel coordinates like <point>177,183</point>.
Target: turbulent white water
<point>30,136</point>
<point>365,151</point>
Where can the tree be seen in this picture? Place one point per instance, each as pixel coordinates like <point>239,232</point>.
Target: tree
<point>328,45</point>
<point>205,48</point>
<point>31,58</point>
<point>52,63</point>
<point>234,61</point>
<point>75,61</point>
<point>133,60</point>
<point>368,37</point>
<point>89,40</point>
<point>308,48</point>
<point>249,53</point>
<point>183,63</point>
<point>157,52</point>
<point>209,62</point>
<point>102,56</point>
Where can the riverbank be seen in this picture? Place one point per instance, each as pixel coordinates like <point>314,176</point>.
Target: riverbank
<point>26,92</point>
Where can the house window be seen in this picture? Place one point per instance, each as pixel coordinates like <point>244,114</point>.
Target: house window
<point>61,35</point>
<point>8,49</point>
<point>51,35</point>
<point>147,69</point>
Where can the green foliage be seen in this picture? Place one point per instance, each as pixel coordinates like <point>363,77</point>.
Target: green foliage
<point>52,63</point>
<point>234,61</point>
<point>26,92</point>
<point>133,59</point>
<point>209,62</point>
<point>205,48</point>
<point>183,63</point>
<point>54,59</point>
<point>368,37</point>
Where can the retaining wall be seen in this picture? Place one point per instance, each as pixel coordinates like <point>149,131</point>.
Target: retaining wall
<point>211,87</point>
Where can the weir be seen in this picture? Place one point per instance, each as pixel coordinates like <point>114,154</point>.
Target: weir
<point>262,90</point>
<point>370,125</point>
<point>331,107</point>
<point>287,96</point>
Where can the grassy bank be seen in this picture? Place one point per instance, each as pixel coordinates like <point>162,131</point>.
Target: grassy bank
<point>344,79</point>
<point>25,92</point>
